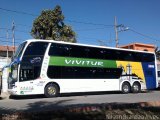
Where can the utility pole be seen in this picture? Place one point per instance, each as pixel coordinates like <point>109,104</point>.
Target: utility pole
<point>13,36</point>
<point>7,44</point>
<point>116,31</point>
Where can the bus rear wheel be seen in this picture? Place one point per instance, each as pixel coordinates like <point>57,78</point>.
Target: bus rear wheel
<point>126,88</point>
<point>136,87</point>
<point>51,90</point>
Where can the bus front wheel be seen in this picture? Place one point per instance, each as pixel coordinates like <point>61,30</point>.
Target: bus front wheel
<point>51,90</point>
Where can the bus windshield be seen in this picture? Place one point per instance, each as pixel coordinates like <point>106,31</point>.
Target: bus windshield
<point>19,50</point>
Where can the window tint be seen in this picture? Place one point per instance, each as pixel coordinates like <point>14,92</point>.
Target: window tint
<point>98,53</point>
<point>129,56</point>
<point>79,51</point>
<point>144,57</point>
<point>31,63</point>
<point>59,50</point>
<point>36,48</point>
<point>29,72</point>
<point>83,73</point>
<point>148,57</point>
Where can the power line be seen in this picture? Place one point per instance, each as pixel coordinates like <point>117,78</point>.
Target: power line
<point>5,29</point>
<point>4,41</point>
<point>23,25</point>
<point>146,36</point>
<point>17,30</point>
<point>89,29</point>
<point>10,38</point>
<point>22,31</point>
<point>73,21</point>
<point>19,12</point>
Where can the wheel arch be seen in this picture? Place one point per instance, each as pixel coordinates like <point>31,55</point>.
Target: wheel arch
<point>137,82</point>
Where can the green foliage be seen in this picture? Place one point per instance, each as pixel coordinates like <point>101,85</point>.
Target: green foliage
<point>49,25</point>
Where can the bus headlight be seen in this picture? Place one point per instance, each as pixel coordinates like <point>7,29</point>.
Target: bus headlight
<point>14,74</point>
<point>14,71</point>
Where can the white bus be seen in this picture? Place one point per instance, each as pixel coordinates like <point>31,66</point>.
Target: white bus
<point>49,67</point>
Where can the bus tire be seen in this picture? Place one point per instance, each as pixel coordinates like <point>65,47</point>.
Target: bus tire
<point>126,88</point>
<point>51,90</point>
<point>136,87</point>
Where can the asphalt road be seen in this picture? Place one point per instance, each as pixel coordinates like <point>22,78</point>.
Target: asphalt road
<point>36,103</point>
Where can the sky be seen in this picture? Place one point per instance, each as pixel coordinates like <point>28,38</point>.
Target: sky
<point>92,20</point>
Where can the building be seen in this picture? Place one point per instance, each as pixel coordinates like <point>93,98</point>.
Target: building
<point>140,46</point>
<point>6,51</point>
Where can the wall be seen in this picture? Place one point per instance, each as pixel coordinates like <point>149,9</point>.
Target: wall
<point>139,46</point>
<point>3,62</point>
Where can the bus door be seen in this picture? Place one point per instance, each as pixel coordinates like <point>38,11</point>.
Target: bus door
<point>28,78</point>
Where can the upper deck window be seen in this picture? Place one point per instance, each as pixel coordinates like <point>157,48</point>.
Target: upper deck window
<point>59,50</point>
<point>36,48</point>
<point>67,50</point>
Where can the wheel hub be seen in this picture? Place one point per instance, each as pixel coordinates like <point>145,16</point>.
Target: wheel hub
<point>51,90</point>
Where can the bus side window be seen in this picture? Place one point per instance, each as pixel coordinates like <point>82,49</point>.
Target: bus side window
<point>36,48</point>
<point>129,56</point>
<point>78,51</point>
<point>96,53</point>
<point>26,72</point>
<point>144,57</point>
<point>109,54</point>
<point>59,50</point>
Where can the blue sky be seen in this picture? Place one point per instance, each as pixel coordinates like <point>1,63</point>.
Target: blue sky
<point>92,20</point>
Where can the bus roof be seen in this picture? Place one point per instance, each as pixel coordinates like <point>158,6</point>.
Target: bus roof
<point>86,45</point>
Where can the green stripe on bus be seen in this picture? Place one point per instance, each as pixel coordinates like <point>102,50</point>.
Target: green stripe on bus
<point>81,62</point>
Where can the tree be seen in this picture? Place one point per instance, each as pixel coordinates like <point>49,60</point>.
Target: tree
<point>49,25</point>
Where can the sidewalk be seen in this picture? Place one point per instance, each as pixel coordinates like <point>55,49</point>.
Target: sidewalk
<point>4,95</point>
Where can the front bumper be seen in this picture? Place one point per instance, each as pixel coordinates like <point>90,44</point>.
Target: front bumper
<point>13,92</point>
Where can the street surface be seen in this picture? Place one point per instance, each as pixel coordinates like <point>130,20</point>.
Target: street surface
<point>36,103</point>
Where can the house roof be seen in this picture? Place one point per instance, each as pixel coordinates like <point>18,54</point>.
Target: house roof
<point>9,48</point>
<point>140,44</point>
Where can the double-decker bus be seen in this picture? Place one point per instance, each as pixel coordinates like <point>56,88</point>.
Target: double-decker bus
<point>50,67</point>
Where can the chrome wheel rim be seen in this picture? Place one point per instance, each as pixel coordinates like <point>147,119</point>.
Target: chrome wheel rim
<point>51,90</point>
<point>136,88</point>
<point>126,88</point>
